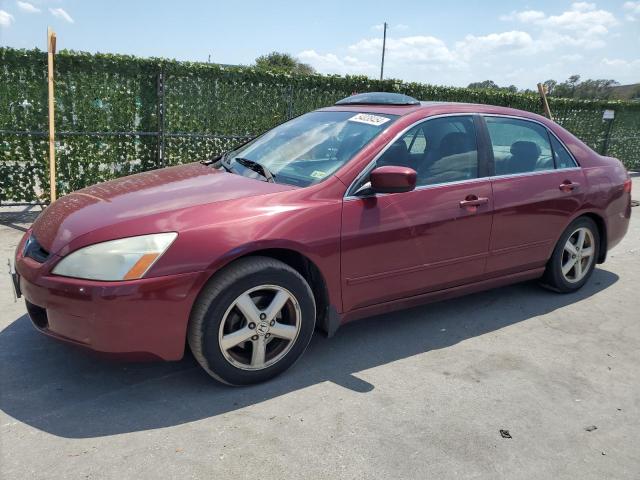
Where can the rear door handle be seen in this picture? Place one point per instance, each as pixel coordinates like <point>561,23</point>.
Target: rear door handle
<point>473,201</point>
<point>568,186</point>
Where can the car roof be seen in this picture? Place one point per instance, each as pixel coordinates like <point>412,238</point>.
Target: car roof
<point>434,108</point>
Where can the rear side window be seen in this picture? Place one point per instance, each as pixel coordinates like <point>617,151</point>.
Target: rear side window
<point>519,146</point>
<point>440,150</point>
<point>562,157</point>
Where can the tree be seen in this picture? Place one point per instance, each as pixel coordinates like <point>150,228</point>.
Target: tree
<point>550,86</point>
<point>491,85</point>
<point>283,62</point>
<point>573,79</point>
<point>586,89</point>
<point>486,84</point>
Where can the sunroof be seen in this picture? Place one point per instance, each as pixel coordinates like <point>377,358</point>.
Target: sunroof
<point>378,98</point>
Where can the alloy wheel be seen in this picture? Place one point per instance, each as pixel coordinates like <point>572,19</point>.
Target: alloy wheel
<point>578,255</point>
<point>259,327</point>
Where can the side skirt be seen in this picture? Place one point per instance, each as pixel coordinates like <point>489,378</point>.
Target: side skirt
<point>438,295</point>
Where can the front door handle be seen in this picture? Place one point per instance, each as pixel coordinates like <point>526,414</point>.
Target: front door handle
<point>473,201</point>
<point>568,186</point>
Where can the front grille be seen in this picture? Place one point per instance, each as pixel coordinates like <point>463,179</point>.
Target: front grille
<point>37,314</point>
<point>34,250</point>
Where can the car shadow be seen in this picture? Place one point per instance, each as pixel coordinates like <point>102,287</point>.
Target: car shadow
<point>74,394</point>
<point>19,220</point>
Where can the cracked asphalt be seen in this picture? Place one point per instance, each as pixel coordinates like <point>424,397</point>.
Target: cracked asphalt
<point>422,393</point>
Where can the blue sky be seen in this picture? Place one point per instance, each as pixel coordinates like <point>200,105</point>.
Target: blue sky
<point>450,42</point>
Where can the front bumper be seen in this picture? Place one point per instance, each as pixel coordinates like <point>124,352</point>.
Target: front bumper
<point>134,319</point>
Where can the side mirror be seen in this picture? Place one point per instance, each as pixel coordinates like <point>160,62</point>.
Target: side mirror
<point>393,179</point>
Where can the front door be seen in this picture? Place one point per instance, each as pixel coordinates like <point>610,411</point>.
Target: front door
<point>399,245</point>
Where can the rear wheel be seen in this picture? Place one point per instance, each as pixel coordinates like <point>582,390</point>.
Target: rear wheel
<point>574,257</point>
<point>252,321</point>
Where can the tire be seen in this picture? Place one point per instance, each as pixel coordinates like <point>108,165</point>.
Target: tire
<point>268,343</point>
<point>554,277</point>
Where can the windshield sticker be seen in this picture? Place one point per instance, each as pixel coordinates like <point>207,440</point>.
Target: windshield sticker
<point>318,174</point>
<point>369,119</point>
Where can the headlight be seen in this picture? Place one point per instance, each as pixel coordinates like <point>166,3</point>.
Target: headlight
<point>123,259</point>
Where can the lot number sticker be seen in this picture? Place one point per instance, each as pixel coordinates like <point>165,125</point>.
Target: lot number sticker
<point>369,119</point>
<point>318,174</point>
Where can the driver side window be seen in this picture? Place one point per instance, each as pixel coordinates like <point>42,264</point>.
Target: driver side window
<point>440,150</point>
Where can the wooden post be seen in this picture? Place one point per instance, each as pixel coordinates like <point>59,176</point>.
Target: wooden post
<point>543,95</point>
<point>51,49</point>
<point>160,162</point>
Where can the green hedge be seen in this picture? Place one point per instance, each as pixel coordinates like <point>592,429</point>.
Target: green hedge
<point>207,109</point>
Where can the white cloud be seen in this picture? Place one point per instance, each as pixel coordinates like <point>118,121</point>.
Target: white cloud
<point>544,45</point>
<point>584,6</point>
<point>572,57</point>
<point>581,16</point>
<point>417,48</point>
<point>27,7</point>
<point>632,9</point>
<point>6,19</point>
<point>398,27</point>
<point>504,42</point>
<point>620,63</point>
<point>419,52</point>
<point>525,16</point>
<point>582,25</point>
<point>423,53</point>
<point>60,13</point>
<point>331,63</point>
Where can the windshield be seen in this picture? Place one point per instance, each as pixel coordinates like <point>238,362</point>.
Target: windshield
<point>309,148</point>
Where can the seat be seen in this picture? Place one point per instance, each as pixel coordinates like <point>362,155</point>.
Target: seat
<point>455,159</point>
<point>396,154</point>
<point>524,157</point>
<point>349,146</point>
<point>454,143</point>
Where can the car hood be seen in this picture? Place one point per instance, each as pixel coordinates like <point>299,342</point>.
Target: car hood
<point>137,204</point>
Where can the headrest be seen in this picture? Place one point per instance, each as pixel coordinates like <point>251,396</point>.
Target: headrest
<point>396,154</point>
<point>525,149</point>
<point>454,143</point>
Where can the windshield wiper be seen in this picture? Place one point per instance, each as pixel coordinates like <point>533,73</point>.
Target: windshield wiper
<point>224,164</point>
<point>218,161</point>
<point>256,167</point>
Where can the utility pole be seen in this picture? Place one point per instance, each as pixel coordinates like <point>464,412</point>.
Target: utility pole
<point>384,46</point>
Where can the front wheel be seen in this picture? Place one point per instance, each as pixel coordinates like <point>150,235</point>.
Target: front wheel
<point>252,321</point>
<point>574,257</point>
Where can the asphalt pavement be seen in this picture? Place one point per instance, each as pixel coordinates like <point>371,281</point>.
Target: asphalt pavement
<point>517,382</point>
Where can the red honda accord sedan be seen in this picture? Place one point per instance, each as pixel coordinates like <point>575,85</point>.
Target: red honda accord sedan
<point>377,203</point>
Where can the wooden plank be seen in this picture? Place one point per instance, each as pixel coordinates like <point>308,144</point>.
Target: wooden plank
<point>51,50</point>
<point>543,95</point>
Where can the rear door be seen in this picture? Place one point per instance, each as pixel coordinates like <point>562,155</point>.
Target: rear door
<point>437,236</point>
<point>537,187</point>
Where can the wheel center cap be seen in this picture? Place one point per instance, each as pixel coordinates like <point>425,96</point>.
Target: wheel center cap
<point>263,327</point>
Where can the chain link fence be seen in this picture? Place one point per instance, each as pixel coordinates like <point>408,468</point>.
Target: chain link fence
<point>117,115</point>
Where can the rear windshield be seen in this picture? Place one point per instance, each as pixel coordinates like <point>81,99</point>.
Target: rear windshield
<point>309,148</point>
